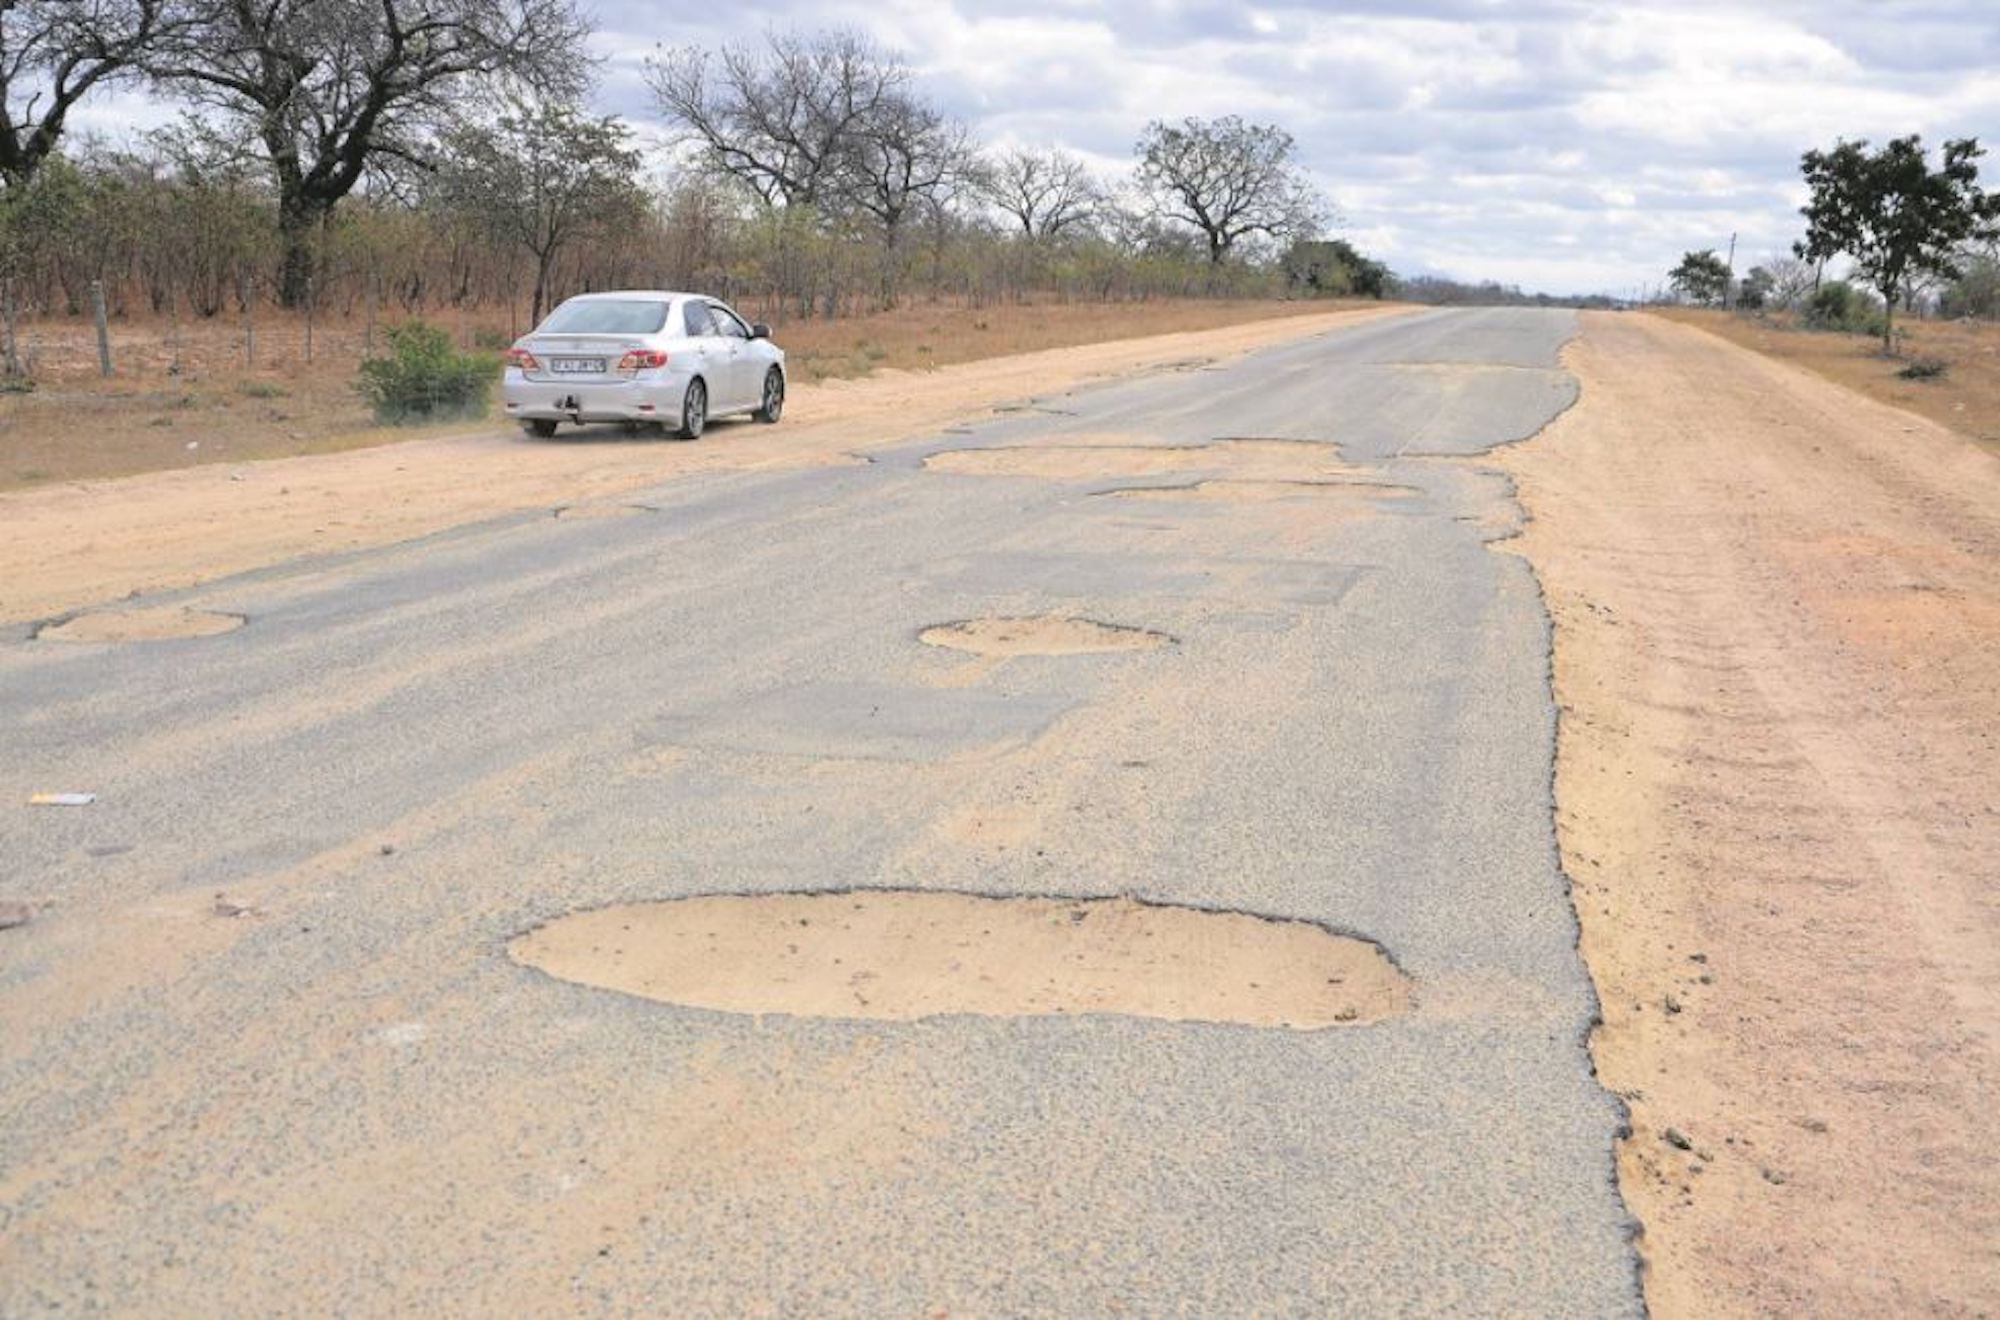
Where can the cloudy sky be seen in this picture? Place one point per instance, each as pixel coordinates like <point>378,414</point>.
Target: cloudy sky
<point>1558,144</point>
<point>1565,145</point>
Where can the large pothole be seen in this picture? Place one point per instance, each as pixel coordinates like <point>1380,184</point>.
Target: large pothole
<point>1041,635</point>
<point>155,624</point>
<point>900,955</point>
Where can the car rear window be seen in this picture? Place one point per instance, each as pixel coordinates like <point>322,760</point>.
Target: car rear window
<point>607,316</point>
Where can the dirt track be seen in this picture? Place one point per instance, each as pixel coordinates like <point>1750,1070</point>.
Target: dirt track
<point>78,544</point>
<point>1777,612</point>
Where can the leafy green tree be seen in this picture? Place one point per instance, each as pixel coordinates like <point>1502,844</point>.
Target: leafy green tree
<point>1898,219</point>
<point>1702,276</point>
<point>1756,290</point>
<point>540,175</point>
<point>1333,267</point>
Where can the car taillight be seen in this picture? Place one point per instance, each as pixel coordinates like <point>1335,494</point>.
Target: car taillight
<point>641,359</point>
<point>520,357</point>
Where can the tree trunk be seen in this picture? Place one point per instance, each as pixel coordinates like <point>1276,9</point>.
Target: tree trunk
<point>298,223</point>
<point>542,262</point>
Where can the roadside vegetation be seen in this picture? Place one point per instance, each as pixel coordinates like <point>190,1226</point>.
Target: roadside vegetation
<point>345,178</point>
<point>1913,320</point>
<point>1963,395</point>
<point>388,178</point>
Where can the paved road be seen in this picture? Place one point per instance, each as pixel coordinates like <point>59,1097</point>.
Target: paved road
<point>348,1098</point>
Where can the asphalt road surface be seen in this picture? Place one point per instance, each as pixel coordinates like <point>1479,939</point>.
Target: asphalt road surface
<point>265,1051</point>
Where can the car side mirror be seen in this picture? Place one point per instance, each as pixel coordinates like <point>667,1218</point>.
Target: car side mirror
<point>760,331</point>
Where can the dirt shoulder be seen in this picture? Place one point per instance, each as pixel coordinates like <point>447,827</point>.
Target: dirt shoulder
<point>66,546</point>
<point>1777,655</point>
<point>1965,398</point>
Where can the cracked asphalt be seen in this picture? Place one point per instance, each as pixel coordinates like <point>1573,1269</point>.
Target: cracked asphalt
<point>265,1051</point>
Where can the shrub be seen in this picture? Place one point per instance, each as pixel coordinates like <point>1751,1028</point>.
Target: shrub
<point>1924,368</point>
<point>423,378</point>
<point>1838,305</point>
<point>491,340</point>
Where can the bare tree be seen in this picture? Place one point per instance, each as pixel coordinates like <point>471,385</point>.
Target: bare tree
<point>1229,179</point>
<point>781,117</point>
<point>899,156</point>
<point>1791,280</point>
<point>1044,193</point>
<point>541,174</point>
<point>328,87</point>
<point>52,54</point>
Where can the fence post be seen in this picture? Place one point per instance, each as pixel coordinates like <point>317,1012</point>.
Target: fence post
<point>174,331</point>
<point>103,326</point>
<point>309,319</point>
<point>10,349</point>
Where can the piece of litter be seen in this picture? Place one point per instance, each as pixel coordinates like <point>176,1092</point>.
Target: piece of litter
<point>62,799</point>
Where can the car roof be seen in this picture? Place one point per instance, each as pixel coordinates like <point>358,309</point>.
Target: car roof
<point>639,295</point>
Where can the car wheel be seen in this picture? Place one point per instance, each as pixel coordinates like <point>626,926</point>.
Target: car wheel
<point>774,397</point>
<point>694,411</point>
<point>542,428</point>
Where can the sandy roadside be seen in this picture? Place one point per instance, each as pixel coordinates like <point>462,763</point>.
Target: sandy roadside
<point>80,544</point>
<point>1777,611</point>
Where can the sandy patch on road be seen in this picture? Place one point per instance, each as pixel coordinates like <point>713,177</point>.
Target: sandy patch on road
<point>1777,612</point>
<point>1042,635</point>
<point>901,955</point>
<point>1231,491</point>
<point>1078,459</point>
<point>144,625</point>
<point>68,546</point>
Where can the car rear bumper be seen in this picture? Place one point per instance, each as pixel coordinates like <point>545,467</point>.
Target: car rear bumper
<point>653,397</point>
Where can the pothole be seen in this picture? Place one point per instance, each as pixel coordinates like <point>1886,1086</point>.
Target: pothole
<point>156,624</point>
<point>1042,635</point>
<point>1077,459</point>
<point>574,512</point>
<point>901,955</point>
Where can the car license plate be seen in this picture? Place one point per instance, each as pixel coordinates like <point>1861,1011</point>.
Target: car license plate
<point>577,366</point>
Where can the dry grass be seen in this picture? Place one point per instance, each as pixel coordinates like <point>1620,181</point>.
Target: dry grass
<point>185,396</point>
<point>1966,398</point>
<point>939,335</point>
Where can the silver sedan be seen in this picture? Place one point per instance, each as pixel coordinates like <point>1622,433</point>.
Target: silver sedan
<point>644,357</point>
